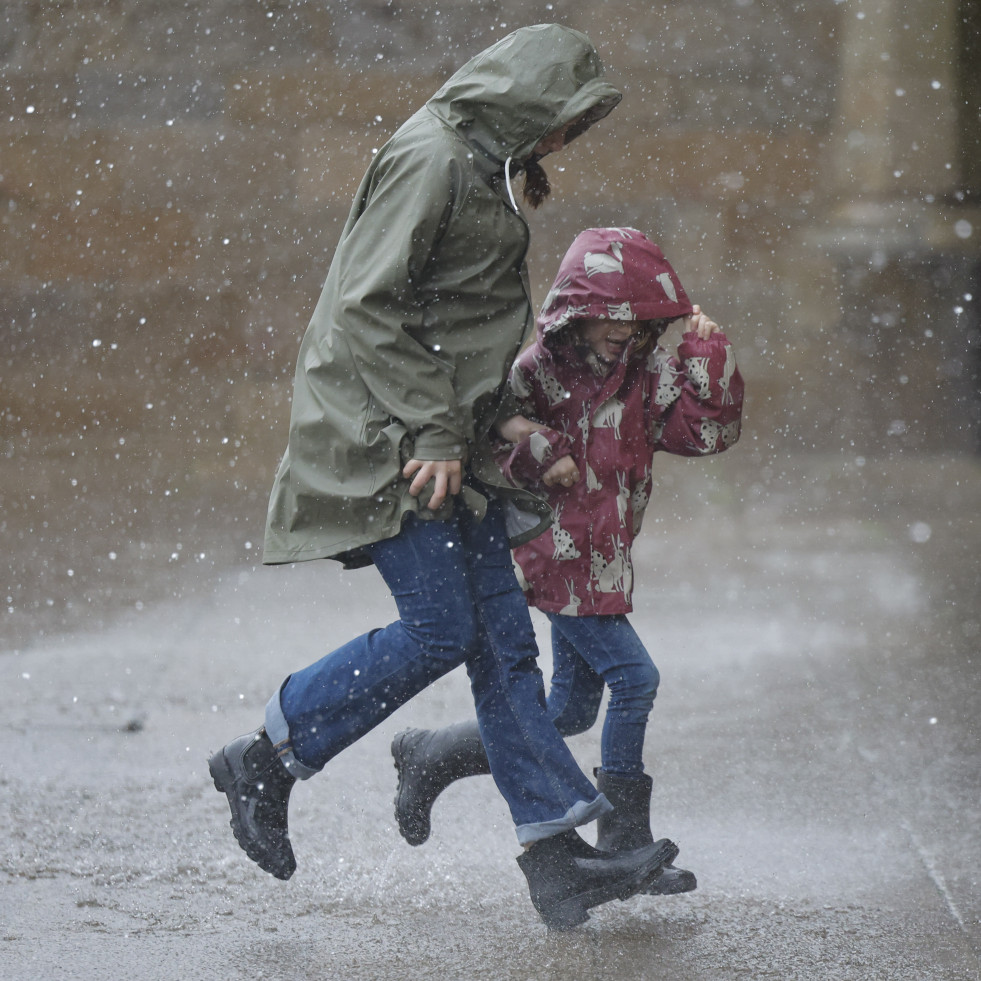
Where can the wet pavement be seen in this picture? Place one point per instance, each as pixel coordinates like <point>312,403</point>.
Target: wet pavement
<point>815,750</point>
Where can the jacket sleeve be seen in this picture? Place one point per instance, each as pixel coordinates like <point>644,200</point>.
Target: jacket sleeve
<point>526,462</point>
<point>406,202</point>
<point>697,397</point>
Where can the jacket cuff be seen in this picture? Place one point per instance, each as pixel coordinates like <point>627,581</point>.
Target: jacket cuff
<point>431,443</point>
<point>531,459</point>
<point>692,346</point>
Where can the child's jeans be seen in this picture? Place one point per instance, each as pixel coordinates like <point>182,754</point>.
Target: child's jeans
<point>588,652</point>
<point>458,602</point>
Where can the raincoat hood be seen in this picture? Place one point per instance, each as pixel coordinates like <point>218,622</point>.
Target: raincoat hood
<point>518,91</point>
<point>615,274</point>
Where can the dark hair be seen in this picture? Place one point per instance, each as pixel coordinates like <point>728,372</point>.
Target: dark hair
<point>537,187</point>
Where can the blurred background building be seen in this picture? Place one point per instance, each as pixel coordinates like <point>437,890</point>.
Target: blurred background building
<point>174,175</point>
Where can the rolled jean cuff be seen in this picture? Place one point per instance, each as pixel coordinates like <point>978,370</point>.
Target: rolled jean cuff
<point>278,731</point>
<point>582,812</point>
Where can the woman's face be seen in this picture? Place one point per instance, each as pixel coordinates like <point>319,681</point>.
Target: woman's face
<point>554,141</point>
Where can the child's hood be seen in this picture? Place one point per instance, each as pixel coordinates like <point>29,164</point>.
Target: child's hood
<point>612,273</point>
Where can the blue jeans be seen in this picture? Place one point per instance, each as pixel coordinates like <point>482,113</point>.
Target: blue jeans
<point>588,652</point>
<point>459,603</point>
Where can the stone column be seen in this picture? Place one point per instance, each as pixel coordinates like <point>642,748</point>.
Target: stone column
<point>906,243</point>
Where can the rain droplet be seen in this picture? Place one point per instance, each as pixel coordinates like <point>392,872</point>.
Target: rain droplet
<point>920,532</point>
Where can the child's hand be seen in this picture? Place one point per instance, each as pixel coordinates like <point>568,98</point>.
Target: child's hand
<point>564,472</point>
<point>517,428</point>
<point>701,324</point>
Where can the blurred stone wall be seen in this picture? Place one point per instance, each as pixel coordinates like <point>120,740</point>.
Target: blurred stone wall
<point>174,176</point>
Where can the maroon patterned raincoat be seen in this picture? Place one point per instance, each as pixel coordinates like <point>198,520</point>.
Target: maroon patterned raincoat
<point>611,423</point>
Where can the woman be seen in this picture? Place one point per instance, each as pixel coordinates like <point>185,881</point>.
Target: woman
<point>399,383</point>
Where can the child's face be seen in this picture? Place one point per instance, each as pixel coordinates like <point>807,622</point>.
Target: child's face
<point>607,339</point>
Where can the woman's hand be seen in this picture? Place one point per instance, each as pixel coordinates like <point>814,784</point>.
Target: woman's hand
<point>447,474</point>
<point>563,471</point>
<point>701,324</point>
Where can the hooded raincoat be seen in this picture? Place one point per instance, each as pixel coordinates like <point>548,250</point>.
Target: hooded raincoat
<point>610,423</point>
<point>426,302</point>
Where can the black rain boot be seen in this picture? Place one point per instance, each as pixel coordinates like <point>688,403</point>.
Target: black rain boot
<point>258,786</point>
<point>428,761</point>
<point>564,885</point>
<point>628,826</point>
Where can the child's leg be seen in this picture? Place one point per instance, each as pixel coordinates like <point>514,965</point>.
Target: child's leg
<point>611,648</point>
<point>613,651</point>
<point>575,691</point>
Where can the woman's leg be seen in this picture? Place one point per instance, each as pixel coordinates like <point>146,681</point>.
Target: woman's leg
<point>429,760</point>
<point>329,705</point>
<point>534,769</point>
<point>611,647</point>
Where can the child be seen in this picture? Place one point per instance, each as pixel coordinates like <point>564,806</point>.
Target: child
<point>599,397</point>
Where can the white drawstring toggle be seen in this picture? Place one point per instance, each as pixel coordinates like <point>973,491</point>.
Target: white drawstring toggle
<point>507,181</point>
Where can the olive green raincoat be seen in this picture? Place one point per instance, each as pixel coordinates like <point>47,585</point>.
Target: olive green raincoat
<point>426,303</point>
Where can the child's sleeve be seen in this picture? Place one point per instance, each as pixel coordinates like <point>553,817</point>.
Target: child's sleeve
<point>525,463</point>
<point>697,397</point>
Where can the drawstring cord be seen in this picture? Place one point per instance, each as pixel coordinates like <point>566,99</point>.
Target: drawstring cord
<point>507,181</point>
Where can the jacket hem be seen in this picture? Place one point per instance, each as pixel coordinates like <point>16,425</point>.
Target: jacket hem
<point>559,607</point>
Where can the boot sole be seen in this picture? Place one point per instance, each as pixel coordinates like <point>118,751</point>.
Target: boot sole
<point>678,885</point>
<point>664,846</point>
<point>573,912</point>
<point>224,780</point>
<point>411,835</point>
